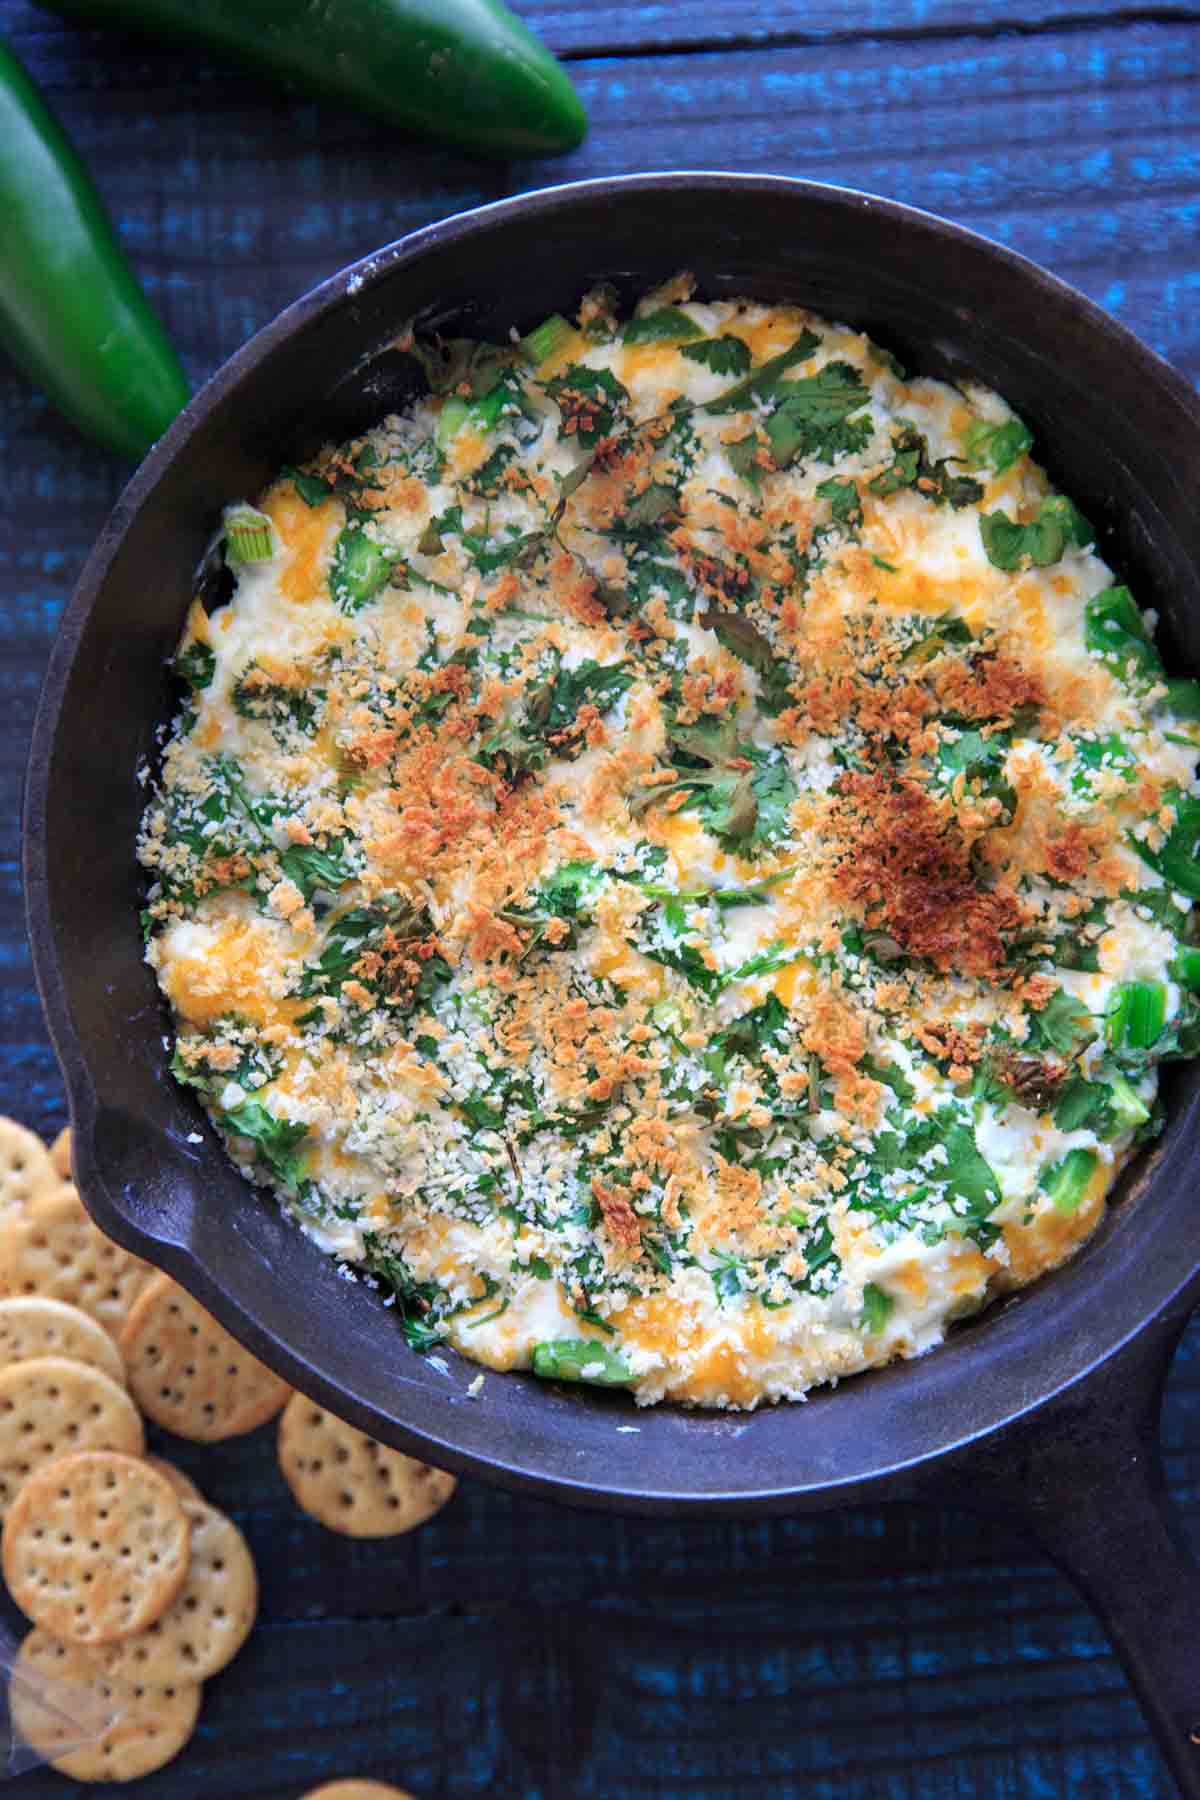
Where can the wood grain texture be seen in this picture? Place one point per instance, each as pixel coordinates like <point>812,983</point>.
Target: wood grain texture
<point>576,29</point>
<point>512,1649</point>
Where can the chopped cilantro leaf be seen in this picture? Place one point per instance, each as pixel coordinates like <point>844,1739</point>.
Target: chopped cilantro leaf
<point>417,1302</point>
<point>553,708</point>
<point>312,489</point>
<point>844,499</point>
<point>285,709</point>
<point>313,869</point>
<point>512,751</point>
<point>723,355</point>
<point>997,447</point>
<point>813,417</point>
<point>946,633</point>
<point>517,548</point>
<point>743,639</point>
<point>1063,1024</point>
<point>649,508</point>
<point>1115,630</point>
<point>1057,527</point>
<point>912,467</point>
<point>1177,859</point>
<point>981,760</point>
<point>361,569</point>
<point>478,1110</point>
<point>946,1145</point>
<point>275,1140</point>
<point>591,402</point>
<point>196,665</point>
<point>766,378</point>
<point>668,325</point>
<point>488,479</point>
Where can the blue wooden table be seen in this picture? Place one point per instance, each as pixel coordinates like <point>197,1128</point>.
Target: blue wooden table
<point>513,1649</point>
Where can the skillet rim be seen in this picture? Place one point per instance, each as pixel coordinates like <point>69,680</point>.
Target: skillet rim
<point>1174,1287</point>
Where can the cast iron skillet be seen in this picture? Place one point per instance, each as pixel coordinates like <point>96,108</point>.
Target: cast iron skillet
<point>1045,1410</point>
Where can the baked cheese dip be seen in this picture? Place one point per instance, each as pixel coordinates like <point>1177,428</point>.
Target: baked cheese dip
<point>678,860</point>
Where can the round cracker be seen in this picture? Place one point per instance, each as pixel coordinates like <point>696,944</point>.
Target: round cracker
<point>96,1547</point>
<point>357,1789</point>
<point>60,1155</point>
<point>51,1407</point>
<point>349,1482</point>
<point>152,1722</point>
<point>211,1616</point>
<point>187,1373</point>
<point>26,1172</point>
<point>33,1326</point>
<point>52,1247</point>
<point>183,1484</point>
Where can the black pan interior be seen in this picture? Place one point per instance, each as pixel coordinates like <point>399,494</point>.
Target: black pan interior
<point>1116,428</point>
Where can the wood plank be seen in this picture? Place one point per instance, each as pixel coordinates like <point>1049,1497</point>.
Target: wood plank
<point>575,29</point>
<point>579,28</point>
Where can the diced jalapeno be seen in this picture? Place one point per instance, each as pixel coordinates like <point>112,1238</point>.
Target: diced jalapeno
<point>877,1308</point>
<point>1066,1181</point>
<point>1186,968</point>
<point>1136,1015</point>
<point>581,1359</point>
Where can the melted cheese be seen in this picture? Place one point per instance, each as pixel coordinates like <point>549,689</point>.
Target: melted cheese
<point>641,860</point>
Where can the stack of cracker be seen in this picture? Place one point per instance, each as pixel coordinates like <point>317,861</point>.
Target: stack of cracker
<point>138,1590</point>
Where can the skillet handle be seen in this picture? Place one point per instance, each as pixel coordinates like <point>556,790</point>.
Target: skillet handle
<point>1086,1479</point>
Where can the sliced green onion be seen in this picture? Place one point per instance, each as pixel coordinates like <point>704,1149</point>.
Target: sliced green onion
<point>1125,1104</point>
<point>486,412</point>
<point>249,536</point>
<point>581,1359</point>
<point>750,896</point>
<point>547,339</point>
<point>1066,1181</point>
<point>361,569</point>
<point>487,1317</point>
<point>1136,1015</point>
<point>763,379</point>
<point>451,419</point>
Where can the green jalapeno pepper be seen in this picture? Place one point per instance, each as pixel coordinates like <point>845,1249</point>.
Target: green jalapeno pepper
<point>460,69</point>
<point>71,312</point>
